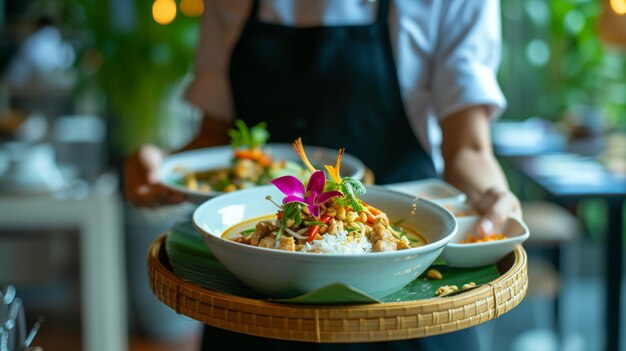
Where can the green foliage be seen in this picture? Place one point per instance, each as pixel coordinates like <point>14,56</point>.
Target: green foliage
<point>579,70</point>
<point>134,61</point>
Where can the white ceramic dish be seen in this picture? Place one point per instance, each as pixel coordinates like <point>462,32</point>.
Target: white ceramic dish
<point>434,189</point>
<point>481,254</point>
<point>278,273</point>
<point>174,167</point>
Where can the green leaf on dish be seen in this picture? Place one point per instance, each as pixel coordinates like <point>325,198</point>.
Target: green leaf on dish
<point>192,261</point>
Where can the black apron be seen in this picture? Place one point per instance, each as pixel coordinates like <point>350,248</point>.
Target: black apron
<point>334,86</point>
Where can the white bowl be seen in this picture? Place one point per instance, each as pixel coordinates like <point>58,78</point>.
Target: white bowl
<point>480,254</point>
<point>277,273</point>
<point>174,167</point>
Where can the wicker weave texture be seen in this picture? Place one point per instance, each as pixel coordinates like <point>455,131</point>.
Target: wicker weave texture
<point>350,324</point>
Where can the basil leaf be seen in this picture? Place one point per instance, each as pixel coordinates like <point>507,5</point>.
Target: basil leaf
<point>292,211</point>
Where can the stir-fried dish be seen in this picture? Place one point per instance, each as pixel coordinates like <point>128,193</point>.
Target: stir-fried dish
<point>326,217</point>
<point>252,165</point>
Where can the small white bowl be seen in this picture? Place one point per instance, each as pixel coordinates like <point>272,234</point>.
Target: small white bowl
<point>278,273</point>
<point>480,254</point>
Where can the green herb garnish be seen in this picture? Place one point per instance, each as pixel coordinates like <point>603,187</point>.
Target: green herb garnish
<point>247,231</point>
<point>243,137</point>
<point>351,188</point>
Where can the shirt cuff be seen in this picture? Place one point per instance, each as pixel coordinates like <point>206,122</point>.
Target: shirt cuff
<point>472,84</point>
<point>211,93</point>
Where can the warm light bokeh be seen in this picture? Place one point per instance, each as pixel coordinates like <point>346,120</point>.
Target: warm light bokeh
<point>164,11</point>
<point>192,8</point>
<point>619,6</point>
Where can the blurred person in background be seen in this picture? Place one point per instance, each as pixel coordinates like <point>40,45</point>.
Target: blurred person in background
<point>407,86</point>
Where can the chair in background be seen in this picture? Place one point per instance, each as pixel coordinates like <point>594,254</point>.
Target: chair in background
<point>551,228</point>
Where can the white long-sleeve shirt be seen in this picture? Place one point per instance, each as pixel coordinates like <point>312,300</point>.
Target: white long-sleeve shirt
<point>446,52</point>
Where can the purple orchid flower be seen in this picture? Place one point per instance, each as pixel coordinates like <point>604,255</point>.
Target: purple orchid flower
<point>314,195</point>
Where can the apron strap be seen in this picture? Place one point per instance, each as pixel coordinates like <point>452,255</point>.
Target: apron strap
<point>383,13</point>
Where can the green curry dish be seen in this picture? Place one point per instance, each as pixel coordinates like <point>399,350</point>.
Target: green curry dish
<point>243,137</point>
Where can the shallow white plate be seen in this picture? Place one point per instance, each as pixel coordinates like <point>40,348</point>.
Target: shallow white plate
<point>174,167</point>
<point>483,253</point>
<point>433,189</point>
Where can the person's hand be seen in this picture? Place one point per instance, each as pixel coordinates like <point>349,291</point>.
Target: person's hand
<point>496,205</point>
<point>141,182</point>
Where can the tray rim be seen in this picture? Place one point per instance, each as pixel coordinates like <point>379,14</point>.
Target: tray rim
<point>339,323</point>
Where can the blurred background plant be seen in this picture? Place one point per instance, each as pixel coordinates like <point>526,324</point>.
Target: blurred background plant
<point>131,67</point>
<point>126,62</point>
<point>555,65</point>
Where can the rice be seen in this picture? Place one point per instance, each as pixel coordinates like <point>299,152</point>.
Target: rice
<point>339,243</point>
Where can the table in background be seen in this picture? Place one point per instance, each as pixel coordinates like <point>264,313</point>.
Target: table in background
<point>569,171</point>
<point>96,212</point>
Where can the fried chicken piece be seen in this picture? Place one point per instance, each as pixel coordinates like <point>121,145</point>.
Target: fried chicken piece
<point>385,245</point>
<point>262,229</point>
<point>287,243</point>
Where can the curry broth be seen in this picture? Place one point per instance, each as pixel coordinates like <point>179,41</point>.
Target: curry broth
<point>235,231</point>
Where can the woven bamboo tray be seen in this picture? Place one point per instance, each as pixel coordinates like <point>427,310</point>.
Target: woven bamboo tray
<point>337,324</point>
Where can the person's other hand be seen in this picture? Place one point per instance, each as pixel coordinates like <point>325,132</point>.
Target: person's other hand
<point>496,205</point>
<point>141,182</point>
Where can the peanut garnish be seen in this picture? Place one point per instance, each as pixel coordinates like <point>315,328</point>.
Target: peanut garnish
<point>434,274</point>
<point>446,290</point>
